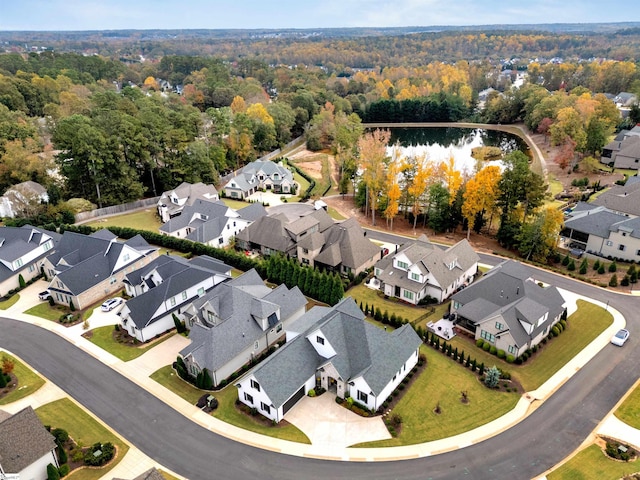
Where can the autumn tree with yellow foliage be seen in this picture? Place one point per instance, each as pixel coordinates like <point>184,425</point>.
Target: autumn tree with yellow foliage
<point>480,197</point>
<point>373,160</point>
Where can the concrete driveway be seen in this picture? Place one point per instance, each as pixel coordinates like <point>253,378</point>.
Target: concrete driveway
<point>328,424</point>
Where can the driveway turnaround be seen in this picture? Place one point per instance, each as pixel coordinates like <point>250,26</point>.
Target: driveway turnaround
<point>551,432</point>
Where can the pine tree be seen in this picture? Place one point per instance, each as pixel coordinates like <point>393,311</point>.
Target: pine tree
<point>461,358</point>
<point>572,265</point>
<point>337,291</point>
<point>613,282</point>
<point>366,308</point>
<point>601,268</point>
<point>613,267</point>
<point>52,472</point>
<point>584,266</point>
<point>21,281</point>
<point>596,265</point>
<point>385,317</point>
<point>302,278</point>
<point>207,381</point>
<point>361,307</point>
<point>481,371</point>
<point>565,260</point>
<point>492,378</point>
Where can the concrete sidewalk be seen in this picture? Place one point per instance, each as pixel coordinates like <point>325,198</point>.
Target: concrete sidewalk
<point>165,353</point>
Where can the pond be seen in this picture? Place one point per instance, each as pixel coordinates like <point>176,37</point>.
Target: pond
<point>440,143</point>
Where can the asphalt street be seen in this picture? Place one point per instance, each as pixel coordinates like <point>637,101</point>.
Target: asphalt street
<point>543,439</point>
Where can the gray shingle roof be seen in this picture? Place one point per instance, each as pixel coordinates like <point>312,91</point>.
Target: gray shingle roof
<point>346,244</point>
<point>235,302</point>
<point>252,212</point>
<point>429,258</point>
<point>361,350</point>
<point>192,214</point>
<point>624,199</point>
<point>23,440</point>
<point>597,221</point>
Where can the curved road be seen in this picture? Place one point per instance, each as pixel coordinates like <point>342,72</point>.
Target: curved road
<point>548,435</point>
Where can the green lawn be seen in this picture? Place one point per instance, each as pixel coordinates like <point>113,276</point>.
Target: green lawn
<point>167,377</point>
<point>629,411</point>
<point>83,428</point>
<point>333,213</point>
<point>592,464</point>
<point>8,303</point>
<point>28,381</point>
<point>583,326</point>
<point>46,311</point>
<point>441,382</point>
<point>226,410</point>
<point>142,220</point>
<point>361,293</point>
<point>102,337</point>
<point>235,204</point>
<point>302,182</point>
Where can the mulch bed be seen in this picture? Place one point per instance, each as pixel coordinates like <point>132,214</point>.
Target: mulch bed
<point>257,417</point>
<point>10,387</point>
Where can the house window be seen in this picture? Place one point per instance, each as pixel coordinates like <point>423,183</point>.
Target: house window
<point>488,336</point>
<point>363,397</point>
<point>513,350</point>
<point>403,265</point>
<point>59,283</point>
<point>125,257</point>
<point>624,234</point>
<point>31,268</point>
<point>255,385</point>
<point>499,326</point>
<point>279,328</point>
<point>19,262</point>
<point>320,340</point>
<point>47,246</point>
<point>638,252</point>
<point>248,398</point>
<point>184,295</point>
<point>305,250</point>
<point>112,280</point>
<point>256,345</point>
<point>201,291</point>
<point>265,408</point>
<point>621,248</point>
<point>173,301</point>
<point>210,317</point>
<point>609,243</point>
<point>415,276</point>
<point>407,294</point>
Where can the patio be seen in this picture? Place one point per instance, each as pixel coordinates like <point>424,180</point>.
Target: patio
<point>444,328</point>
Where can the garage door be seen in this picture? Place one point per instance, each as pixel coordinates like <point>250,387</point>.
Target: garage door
<point>293,400</point>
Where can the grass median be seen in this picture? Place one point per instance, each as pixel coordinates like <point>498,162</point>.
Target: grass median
<point>592,464</point>
<point>103,337</point>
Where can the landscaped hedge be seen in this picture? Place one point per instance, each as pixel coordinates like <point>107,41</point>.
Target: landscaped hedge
<point>312,183</point>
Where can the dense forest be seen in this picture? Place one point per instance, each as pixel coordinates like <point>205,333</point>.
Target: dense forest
<point>134,121</point>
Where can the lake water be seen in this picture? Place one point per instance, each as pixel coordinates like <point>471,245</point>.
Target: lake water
<point>440,143</point>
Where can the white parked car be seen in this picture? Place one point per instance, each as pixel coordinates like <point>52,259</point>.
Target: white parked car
<point>111,304</point>
<point>44,295</point>
<point>620,337</point>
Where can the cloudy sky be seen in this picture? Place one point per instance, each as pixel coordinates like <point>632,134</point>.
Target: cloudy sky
<point>165,14</point>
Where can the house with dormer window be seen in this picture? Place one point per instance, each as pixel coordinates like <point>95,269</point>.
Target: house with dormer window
<point>235,322</point>
<point>172,202</point>
<point>334,348</point>
<point>259,175</point>
<point>420,269</point>
<point>22,253</point>
<point>87,268</point>
<point>508,308</point>
<point>163,288</point>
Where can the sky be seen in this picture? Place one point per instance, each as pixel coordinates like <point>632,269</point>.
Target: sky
<point>250,14</point>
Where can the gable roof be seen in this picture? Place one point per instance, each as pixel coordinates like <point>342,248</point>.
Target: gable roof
<point>83,261</point>
<point>252,212</point>
<point>621,198</point>
<point>23,440</point>
<point>345,243</point>
<point>194,215</point>
<point>236,304</point>
<point>593,221</point>
<point>177,275</point>
<point>429,258</point>
<point>362,350</point>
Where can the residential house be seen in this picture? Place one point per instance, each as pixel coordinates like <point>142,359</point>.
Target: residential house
<point>22,254</point>
<point>235,322</point>
<point>259,175</point>
<point>623,199</point>
<point>343,247</point>
<point>281,232</point>
<point>600,231</point>
<point>87,268</point>
<point>26,447</point>
<point>162,288</point>
<point>334,348</point>
<point>173,201</point>
<point>508,308</point>
<point>21,199</point>
<point>421,269</point>
<point>623,153</point>
<point>211,223</point>
<point>625,99</point>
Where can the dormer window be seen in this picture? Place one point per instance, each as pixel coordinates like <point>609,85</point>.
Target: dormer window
<point>204,217</point>
<point>402,265</point>
<point>415,276</point>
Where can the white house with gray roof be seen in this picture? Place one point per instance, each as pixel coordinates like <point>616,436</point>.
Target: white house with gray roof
<point>87,268</point>
<point>235,322</point>
<point>212,223</point>
<point>420,269</point>
<point>26,447</point>
<point>603,232</point>
<point>163,288</point>
<point>508,308</point>
<point>259,175</point>
<point>337,349</point>
<point>22,252</point>
<point>623,199</point>
<point>172,202</point>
